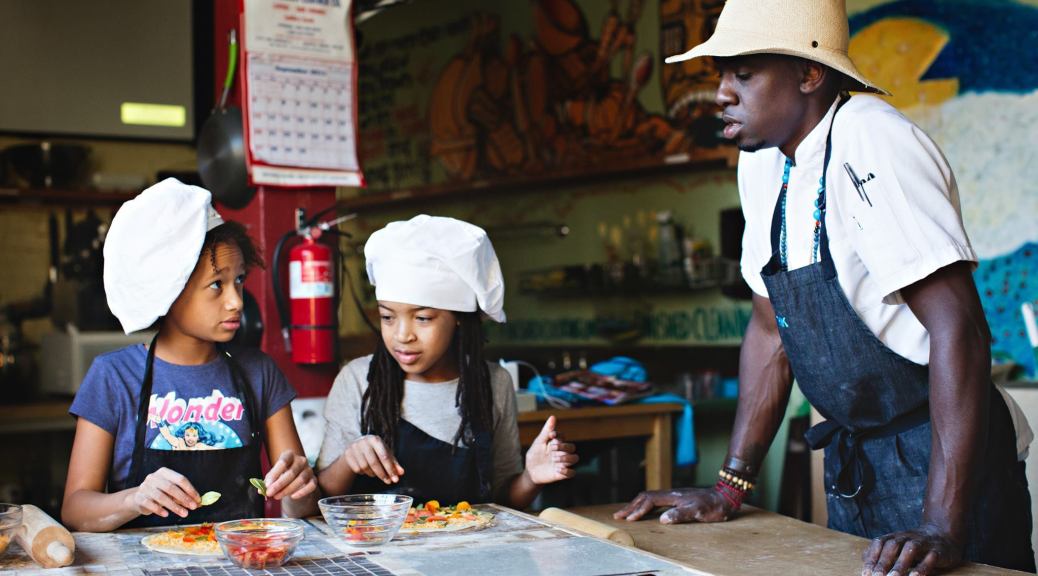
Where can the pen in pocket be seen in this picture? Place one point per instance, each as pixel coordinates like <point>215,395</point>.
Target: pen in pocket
<point>857,184</point>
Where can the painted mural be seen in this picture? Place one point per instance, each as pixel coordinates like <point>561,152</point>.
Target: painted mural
<point>565,100</point>
<point>966,72</point>
<point>562,95</point>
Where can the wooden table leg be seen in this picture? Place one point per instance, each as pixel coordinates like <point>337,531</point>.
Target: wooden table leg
<point>658,457</point>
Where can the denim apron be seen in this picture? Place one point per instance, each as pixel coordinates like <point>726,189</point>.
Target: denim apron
<point>225,471</point>
<point>876,435</point>
<point>436,470</point>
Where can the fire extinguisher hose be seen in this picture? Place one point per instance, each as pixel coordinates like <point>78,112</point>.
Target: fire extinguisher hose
<point>279,289</point>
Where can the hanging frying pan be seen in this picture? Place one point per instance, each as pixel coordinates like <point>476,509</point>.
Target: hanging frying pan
<point>221,146</point>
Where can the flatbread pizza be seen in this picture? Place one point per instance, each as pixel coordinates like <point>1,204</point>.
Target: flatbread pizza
<point>191,540</point>
<point>433,519</point>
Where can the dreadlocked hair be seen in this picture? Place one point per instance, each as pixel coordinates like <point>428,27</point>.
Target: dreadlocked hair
<point>380,406</point>
<point>233,234</point>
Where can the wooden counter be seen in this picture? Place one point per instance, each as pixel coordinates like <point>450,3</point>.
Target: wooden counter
<point>756,542</point>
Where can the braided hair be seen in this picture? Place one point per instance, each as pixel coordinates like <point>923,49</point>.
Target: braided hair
<point>380,406</point>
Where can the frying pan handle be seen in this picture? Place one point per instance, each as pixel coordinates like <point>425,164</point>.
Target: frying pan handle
<point>232,66</point>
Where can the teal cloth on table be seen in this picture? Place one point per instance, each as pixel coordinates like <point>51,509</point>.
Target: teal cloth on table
<point>630,369</point>
<point>686,438</point>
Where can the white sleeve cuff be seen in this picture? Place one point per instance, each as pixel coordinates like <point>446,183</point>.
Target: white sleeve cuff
<point>927,264</point>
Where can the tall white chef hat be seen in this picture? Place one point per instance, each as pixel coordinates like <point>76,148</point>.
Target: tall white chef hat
<point>436,262</point>
<point>151,249</point>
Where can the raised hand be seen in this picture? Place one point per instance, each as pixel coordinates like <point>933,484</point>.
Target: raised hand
<point>549,458</point>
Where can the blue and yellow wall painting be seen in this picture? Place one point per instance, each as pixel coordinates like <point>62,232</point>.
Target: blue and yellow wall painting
<point>966,71</point>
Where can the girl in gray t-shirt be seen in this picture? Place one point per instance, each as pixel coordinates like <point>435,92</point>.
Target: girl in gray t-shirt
<point>426,415</point>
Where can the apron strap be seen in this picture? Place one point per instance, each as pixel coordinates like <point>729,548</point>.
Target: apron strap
<point>823,240</point>
<point>776,216</point>
<point>848,482</point>
<point>252,405</point>
<point>136,477</point>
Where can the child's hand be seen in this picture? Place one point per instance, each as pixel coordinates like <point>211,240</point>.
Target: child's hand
<point>291,476</point>
<point>368,456</point>
<point>549,459</point>
<point>164,491</point>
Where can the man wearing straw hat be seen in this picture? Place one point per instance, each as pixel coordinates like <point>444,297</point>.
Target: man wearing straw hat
<point>863,290</point>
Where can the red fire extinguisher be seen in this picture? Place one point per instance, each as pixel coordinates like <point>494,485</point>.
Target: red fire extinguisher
<point>309,320</point>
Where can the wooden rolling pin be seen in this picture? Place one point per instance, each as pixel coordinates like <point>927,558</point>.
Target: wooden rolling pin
<point>588,526</point>
<point>49,543</point>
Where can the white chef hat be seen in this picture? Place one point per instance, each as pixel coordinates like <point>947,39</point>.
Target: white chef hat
<point>436,262</point>
<point>151,249</point>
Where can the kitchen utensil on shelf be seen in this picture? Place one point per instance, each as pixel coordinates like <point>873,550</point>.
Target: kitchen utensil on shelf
<point>221,145</point>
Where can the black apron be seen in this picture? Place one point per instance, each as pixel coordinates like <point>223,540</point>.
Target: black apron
<point>436,470</point>
<point>876,434</point>
<point>225,471</point>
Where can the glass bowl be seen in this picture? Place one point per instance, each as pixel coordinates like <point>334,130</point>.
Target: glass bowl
<point>365,519</point>
<point>10,519</point>
<point>259,542</point>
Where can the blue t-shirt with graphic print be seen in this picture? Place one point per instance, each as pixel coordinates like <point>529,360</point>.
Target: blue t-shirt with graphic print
<point>191,407</point>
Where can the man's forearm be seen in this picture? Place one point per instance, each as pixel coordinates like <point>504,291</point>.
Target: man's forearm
<point>765,382</point>
<point>960,395</point>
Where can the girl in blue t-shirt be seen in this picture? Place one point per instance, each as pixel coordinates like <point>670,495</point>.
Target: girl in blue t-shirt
<point>159,426</point>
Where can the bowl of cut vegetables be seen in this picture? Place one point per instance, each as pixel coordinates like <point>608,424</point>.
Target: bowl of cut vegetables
<point>259,542</point>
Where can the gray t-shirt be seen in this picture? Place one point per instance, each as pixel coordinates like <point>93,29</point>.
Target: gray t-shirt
<point>428,406</point>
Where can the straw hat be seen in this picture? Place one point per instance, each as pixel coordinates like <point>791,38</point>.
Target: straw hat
<point>813,29</point>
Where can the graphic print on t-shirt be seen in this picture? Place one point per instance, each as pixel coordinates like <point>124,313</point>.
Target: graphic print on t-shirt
<point>194,424</point>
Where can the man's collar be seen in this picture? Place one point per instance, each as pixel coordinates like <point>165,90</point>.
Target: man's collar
<point>812,148</point>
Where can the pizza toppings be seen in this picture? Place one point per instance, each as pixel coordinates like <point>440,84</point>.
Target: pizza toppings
<point>209,498</point>
<point>199,539</point>
<point>431,517</point>
<point>260,486</point>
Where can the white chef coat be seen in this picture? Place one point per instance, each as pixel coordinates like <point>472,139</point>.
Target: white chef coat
<point>901,223</point>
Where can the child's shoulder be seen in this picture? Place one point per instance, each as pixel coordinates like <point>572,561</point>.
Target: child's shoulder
<point>355,372</point>
<point>249,356</point>
<point>121,359</point>
<point>500,379</point>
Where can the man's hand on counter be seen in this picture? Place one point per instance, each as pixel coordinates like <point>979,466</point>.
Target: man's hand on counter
<point>917,552</point>
<point>686,505</point>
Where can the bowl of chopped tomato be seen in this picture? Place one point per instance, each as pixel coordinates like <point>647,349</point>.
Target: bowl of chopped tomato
<point>259,542</point>
<point>364,520</point>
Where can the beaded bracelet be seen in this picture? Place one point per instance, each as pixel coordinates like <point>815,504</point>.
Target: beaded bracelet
<point>733,488</point>
<point>735,480</point>
<point>732,495</point>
